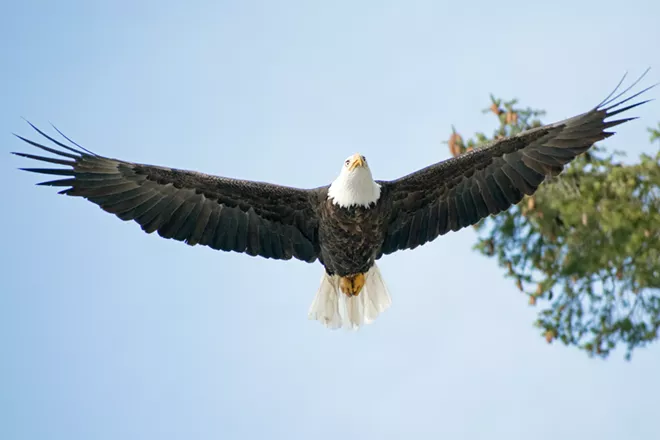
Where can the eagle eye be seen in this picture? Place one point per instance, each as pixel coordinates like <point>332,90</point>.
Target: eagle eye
<point>348,162</point>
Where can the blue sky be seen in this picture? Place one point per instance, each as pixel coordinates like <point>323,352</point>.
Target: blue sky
<point>107,333</point>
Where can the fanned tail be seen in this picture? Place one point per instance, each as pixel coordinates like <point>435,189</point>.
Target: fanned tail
<point>335,310</point>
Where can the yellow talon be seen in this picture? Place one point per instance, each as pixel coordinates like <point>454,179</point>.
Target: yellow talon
<point>352,285</point>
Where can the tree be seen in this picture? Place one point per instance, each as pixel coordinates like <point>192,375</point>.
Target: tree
<point>585,248</point>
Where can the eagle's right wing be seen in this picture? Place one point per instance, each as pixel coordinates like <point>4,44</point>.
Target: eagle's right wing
<point>458,192</point>
<point>255,218</point>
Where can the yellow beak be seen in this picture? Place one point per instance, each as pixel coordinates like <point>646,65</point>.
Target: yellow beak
<point>356,161</point>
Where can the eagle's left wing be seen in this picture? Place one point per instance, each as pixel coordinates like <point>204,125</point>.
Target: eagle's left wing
<point>255,218</point>
<point>458,192</point>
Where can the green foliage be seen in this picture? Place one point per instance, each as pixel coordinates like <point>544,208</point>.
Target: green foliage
<point>585,248</point>
<point>655,133</point>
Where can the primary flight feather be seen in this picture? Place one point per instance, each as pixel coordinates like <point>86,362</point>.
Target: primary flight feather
<point>346,225</point>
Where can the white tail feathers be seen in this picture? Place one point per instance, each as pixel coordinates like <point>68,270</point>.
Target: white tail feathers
<point>334,309</point>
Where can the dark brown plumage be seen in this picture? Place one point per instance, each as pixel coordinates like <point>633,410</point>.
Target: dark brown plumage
<point>261,219</point>
<point>458,192</point>
<point>280,222</point>
<point>349,237</point>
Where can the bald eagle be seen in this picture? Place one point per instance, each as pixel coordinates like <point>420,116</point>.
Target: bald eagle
<point>346,225</point>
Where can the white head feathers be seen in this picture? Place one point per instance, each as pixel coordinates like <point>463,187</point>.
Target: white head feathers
<point>354,185</point>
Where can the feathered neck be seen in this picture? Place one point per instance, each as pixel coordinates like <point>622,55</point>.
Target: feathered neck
<point>354,188</point>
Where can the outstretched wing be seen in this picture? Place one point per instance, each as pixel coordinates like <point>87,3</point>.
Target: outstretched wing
<point>226,214</point>
<point>458,192</point>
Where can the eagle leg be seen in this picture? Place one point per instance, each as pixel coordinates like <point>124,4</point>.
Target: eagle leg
<point>351,285</point>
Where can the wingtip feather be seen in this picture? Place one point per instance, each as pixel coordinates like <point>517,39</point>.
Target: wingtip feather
<point>71,140</point>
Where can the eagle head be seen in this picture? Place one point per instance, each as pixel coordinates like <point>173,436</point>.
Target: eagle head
<point>355,184</point>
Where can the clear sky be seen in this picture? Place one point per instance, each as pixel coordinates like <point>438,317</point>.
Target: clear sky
<point>109,333</point>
